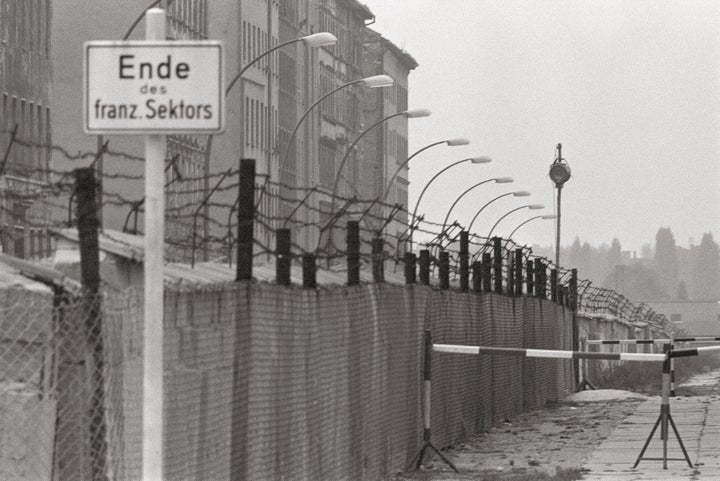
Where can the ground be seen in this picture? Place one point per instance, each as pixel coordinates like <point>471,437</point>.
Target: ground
<point>549,444</point>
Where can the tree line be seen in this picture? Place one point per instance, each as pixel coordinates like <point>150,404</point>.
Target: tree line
<point>663,271</point>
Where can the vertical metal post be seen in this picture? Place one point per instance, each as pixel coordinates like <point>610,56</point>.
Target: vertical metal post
<point>497,264</point>
<point>518,271</point>
<point>510,276</point>
<point>246,220</point>
<point>557,231</point>
<point>353,253</point>
<point>309,271</point>
<point>378,260</point>
<point>410,268</point>
<point>87,224</point>
<point>477,276</point>
<point>554,285</point>
<point>427,384</point>
<point>153,312</point>
<point>530,278</point>
<point>464,259</point>
<point>424,267</point>
<point>444,270</point>
<point>487,271</point>
<point>283,259</point>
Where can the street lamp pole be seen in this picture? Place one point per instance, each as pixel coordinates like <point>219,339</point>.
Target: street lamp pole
<point>547,216</point>
<point>559,174</point>
<point>450,142</point>
<point>314,40</point>
<point>529,206</point>
<point>473,160</point>
<point>498,180</point>
<point>376,81</point>
<point>516,194</point>
<point>410,114</point>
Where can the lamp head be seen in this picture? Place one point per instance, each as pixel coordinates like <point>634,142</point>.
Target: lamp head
<point>480,160</point>
<point>548,216</point>
<point>320,39</point>
<point>521,193</point>
<point>504,180</point>
<point>536,206</point>
<point>377,81</point>
<point>457,141</point>
<point>415,113</point>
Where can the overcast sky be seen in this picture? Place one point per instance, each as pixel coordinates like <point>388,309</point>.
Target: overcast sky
<point>630,88</point>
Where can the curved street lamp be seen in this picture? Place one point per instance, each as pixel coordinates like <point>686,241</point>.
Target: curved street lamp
<point>521,193</point>
<point>450,142</point>
<point>320,39</point>
<point>547,216</point>
<point>376,81</point>
<point>410,114</point>
<point>498,180</point>
<point>529,206</point>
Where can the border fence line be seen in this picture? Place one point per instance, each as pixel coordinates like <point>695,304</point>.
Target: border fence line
<point>652,341</point>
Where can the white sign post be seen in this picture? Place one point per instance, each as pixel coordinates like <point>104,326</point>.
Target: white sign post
<point>153,87</point>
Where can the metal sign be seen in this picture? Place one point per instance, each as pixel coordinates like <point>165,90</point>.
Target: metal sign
<point>153,87</point>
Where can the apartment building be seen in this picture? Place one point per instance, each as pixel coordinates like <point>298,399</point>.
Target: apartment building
<point>385,148</point>
<point>25,85</point>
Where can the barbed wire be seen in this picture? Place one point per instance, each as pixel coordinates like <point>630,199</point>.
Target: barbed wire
<point>210,200</point>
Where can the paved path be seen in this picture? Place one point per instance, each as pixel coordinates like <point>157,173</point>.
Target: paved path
<point>698,421</point>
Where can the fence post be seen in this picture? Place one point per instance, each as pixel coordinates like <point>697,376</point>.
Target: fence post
<point>378,261</point>
<point>554,285</point>
<point>464,259</point>
<point>246,218</point>
<point>486,271</point>
<point>477,276</point>
<point>283,259</point>
<point>410,261</point>
<point>353,253</point>
<point>444,269</point>
<point>309,271</point>
<point>539,279</point>
<point>511,276</point>
<point>530,278</point>
<point>575,331</point>
<point>497,261</point>
<point>518,271</point>
<point>425,267</point>
<point>87,221</point>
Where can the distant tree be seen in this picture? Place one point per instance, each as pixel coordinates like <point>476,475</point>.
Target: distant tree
<point>666,261</point>
<point>682,293</point>
<point>706,269</point>
<point>637,283</point>
<point>575,257</point>
<point>614,255</point>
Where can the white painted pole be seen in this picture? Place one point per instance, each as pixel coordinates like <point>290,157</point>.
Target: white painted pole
<point>152,456</point>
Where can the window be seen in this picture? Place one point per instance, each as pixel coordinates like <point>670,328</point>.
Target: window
<point>327,163</point>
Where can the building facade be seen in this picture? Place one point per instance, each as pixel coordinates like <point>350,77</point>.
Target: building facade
<point>385,148</point>
<point>25,85</point>
<point>264,107</point>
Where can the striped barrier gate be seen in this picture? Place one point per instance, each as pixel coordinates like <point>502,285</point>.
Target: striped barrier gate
<point>664,420</point>
<point>585,382</point>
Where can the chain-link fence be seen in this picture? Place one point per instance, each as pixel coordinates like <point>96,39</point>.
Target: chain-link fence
<point>264,382</point>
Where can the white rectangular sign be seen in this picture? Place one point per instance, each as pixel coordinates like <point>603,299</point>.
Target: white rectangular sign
<point>153,87</point>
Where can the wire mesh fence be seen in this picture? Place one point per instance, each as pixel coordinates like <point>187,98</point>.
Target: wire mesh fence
<point>261,381</point>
